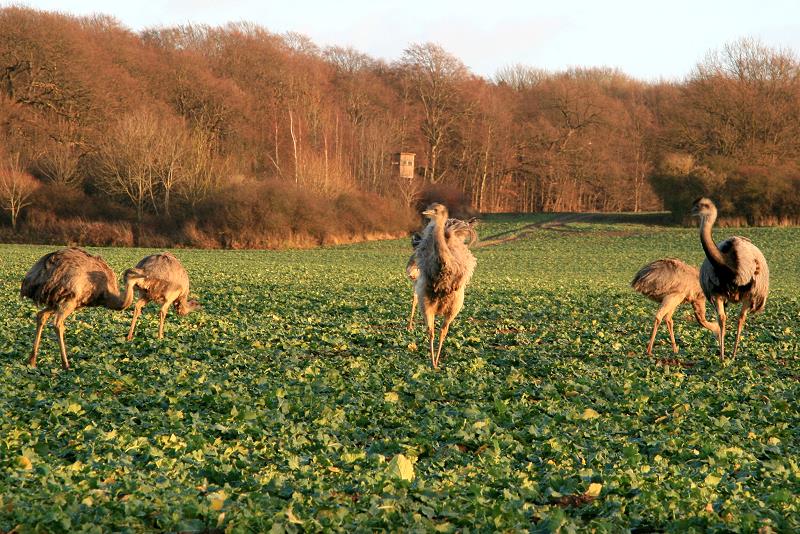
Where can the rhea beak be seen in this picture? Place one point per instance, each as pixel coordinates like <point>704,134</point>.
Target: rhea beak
<point>133,274</point>
<point>428,213</point>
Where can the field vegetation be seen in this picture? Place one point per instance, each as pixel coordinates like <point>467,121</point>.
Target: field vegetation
<point>297,401</point>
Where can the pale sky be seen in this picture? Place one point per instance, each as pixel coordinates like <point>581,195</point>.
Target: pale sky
<point>645,39</point>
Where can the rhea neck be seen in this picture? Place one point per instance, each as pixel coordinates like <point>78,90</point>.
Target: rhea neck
<point>712,252</point>
<point>120,302</point>
<point>440,239</point>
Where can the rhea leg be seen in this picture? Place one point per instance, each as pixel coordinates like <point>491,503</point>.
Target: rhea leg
<point>137,311</point>
<point>442,335</point>
<point>666,309</point>
<point>41,320</point>
<point>455,307</point>
<point>742,319</point>
<point>58,325</point>
<point>414,301</point>
<point>721,317</point>
<point>668,320</point>
<point>656,324</point>
<point>162,314</point>
<point>430,323</point>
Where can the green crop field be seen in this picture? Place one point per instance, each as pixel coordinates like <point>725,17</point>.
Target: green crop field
<point>296,400</point>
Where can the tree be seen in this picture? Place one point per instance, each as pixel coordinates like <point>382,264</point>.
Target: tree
<point>16,188</point>
<point>743,105</point>
<point>59,164</point>
<point>520,77</point>
<point>141,159</point>
<point>635,130</point>
<point>201,170</point>
<point>435,76</point>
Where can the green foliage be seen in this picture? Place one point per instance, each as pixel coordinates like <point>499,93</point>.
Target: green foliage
<point>296,400</point>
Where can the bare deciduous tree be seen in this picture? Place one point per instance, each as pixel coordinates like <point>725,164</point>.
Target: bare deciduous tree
<point>125,161</point>
<point>58,163</point>
<point>744,104</point>
<point>16,188</point>
<point>147,157</point>
<point>520,77</point>
<point>435,75</point>
<point>202,169</point>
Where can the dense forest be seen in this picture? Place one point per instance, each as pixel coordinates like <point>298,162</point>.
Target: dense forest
<point>238,137</point>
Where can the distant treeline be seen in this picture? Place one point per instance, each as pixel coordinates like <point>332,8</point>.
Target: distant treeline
<point>235,136</point>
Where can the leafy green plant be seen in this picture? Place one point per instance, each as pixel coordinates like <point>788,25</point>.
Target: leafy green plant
<point>296,400</point>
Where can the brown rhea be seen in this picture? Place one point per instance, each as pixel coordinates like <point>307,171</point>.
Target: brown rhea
<point>445,268</point>
<point>453,229</point>
<point>67,280</point>
<point>165,282</point>
<point>671,282</point>
<point>735,270</point>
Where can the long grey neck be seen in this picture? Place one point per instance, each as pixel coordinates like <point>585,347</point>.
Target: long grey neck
<point>712,252</point>
<point>120,302</point>
<point>441,242</point>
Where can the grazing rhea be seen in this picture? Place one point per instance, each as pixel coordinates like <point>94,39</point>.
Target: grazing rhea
<point>445,267</point>
<point>735,270</point>
<point>453,228</point>
<point>66,280</point>
<point>671,282</point>
<point>166,282</point>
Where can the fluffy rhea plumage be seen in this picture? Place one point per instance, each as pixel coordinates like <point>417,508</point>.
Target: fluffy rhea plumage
<point>671,282</point>
<point>69,279</point>
<point>453,229</point>
<point>734,270</point>
<point>445,267</point>
<point>165,282</point>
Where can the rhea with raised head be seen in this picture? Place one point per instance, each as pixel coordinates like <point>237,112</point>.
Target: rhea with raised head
<point>445,267</point>
<point>734,270</point>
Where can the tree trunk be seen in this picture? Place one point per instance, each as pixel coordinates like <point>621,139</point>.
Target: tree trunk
<point>294,146</point>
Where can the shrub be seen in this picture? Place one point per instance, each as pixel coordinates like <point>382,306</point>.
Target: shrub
<point>457,202</point>
<point>271,214</point>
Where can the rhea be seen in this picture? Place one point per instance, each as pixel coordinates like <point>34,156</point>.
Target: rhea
<point>671,282</point>
<point>453,228</point>
<point>69,279</point>
<point>165,282</point>
<point>445,268</point>
<point>734,270</point>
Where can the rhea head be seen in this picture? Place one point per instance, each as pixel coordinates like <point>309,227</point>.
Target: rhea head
<point>436,211</point>
<point>133,275</point>
<point>704,208</point>
<point>188,307</point>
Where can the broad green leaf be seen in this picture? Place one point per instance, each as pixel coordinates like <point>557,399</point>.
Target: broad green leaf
<point>401,467</point>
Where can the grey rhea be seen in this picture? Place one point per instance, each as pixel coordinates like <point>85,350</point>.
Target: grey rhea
<point>445,268</point>
<point>69,279</point>
<point>735,270</point>
<point>453,228</point>
<point>671,282</point>
<point>165,282</point>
